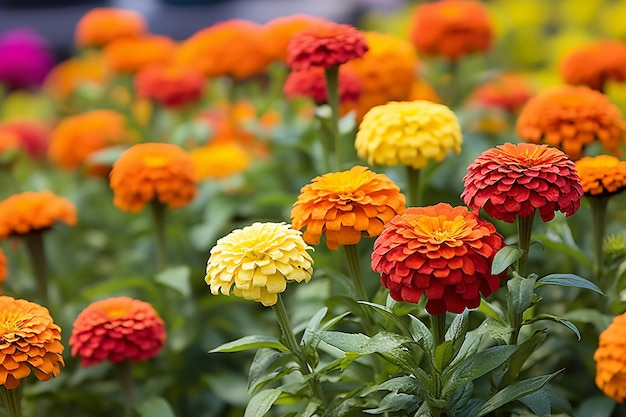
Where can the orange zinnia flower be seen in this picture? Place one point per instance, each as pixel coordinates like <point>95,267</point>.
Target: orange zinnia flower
<point>442,251</point>
<point>116,329</point>
<point>29,340</point>
<point>66,77</point>
<point>278,32</point>
<point>594,64</point>
<point>325,45</point>
<point>610,360</point>
<point>451,28</point>
<point>77,137</point>
<point>506,91</point>
<point>312,83</point>
<point>601,175</point>
<point>219,160</point>
<point>346,206</point>
<point>570,118</point>
<point>149,171</point>
<point>101,25</point>
<point>33,211</point>
<point>232,48</point>
<point>171,86</point>
<point>131,55</point>
<point>515,180</point>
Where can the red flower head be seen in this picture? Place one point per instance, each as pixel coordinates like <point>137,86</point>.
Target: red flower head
<point>594,64</point>
<point>278,32</point>
<point>311,83</point>
<point>443,251</point>
<point>515,180</point>
<point>116,329</point>
<point>506,91</point>
<point>325,45</point>
<point>171,86</point>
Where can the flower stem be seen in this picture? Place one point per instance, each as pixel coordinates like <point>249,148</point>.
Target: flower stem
<point>331,75</point>
<point>354,267</point>
<point>158,218</point>
<point>288,337</point>
<point>598,219</point>
<point>11,400</point>
<point>125,376</point>
<point>438,328</point>
<point>413,186</point>
<point>524,233</point>
<point>37,253</point>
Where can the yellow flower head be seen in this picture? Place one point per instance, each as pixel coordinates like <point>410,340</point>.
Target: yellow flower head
<point>408,133</point>
<point>256,262</point>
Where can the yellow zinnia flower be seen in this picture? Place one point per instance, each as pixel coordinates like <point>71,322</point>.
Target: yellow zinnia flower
<point>256,262</point>
<point>408,133</point>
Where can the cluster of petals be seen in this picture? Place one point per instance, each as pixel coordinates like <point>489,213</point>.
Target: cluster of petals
<point>601,175</point>
<point>409,133</point>
<point>233,48</point>
<point>131,55</point>
<point>26,59</point>
<point>102,25</point>
<point>610,358</point>
<point>256,262</point>
<point>33,135</point>
<point>153,171</point>
<point>29,341</point>
<point>219,160</point>
<point>76,137</point>
<point>515,180</point>
<point>451,28</point>
<point>345,206</point>
<point>506,91</point>
<point>325,45</point>
<point>66,77</point>
<point>571,118</point>
<point>441,251</point>
<point>34,211</point>
<point>312,83</point>
<point>595,64</point>
<point>278,32</point>
<point>171,85</point>
<point>116,329</point>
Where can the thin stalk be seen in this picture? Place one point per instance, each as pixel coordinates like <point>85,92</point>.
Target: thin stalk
<point>524,233</point>
<point>354,267</point>
<point>125,376</point>
<point>331,75</point>
<point>413,186</point>
<point>37,253</point>
<point>438,328</point>
<point>11,400</point>
<point>453,93</point>
<point>598,221</point>
<point>158,219</point>
<point>294,347</point>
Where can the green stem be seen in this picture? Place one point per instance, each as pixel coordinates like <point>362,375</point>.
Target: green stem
<point>598,219</point>
<point>125,376</point>
<point>11,400</point>
<point>524,233</point>
<point>294,347</point>
<point>158,218</point>
<point>37,253</point>
<point>453,93</point>
<point>354,267</point>
<point>332,96</point>
<point>438,328</point>
<point>413,186</point>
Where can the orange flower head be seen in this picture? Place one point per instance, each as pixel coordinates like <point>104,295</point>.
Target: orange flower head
<point>515,180</point>
<point>29,340</point>
<point>571,118</point>
<point>234,48</point>
<point>9,141</point>
<point>594,64</point>
<point>278,32</point>
<point>33,211</point>
<point>102,25</point>
<point>171,86</point>
<point>312,83</point>
<point>506,91</point>
<point>421,90</point>
<point>65,78</point>
<point>33,135</point>
<point>149,171</point>
<point>610,360</point>
<point>131,55</point>
<point>601,175</point>
<point>76,137</point>
<point>344,206</point>
<point>325,45</point>
<point>220,160</point>
<point>442,251</point>
<point>116,329</point>
<point>388,71</point>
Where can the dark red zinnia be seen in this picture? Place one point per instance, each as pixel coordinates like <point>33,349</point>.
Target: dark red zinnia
<point>312,83</point>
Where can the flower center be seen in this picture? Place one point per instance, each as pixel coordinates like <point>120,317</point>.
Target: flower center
<point>439,229</point>
<point>10,322</point>
<point>450,10</point>
<point>116,313</point>
<point>155,161</point>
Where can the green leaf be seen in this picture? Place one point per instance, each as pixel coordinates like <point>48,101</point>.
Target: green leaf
<point>591,316</point>
<point>496,329</point>
<point>310,408</point>
<point>514,392</point>
<point>251,342</point>
<point>490,310</point>
<point>598,406</point>
<point>443,355</point>
<point>402,383</point>
<point>263,362</point>
<point>458,327</point>
<point>557,319</point>
<point>458,399</point>
<point>517,360</point>
<point>568,280</point>
<point>538,402</point>
<point>155,407</point>
<point>346,342</point>
<point>504,258</point>
<point>521,292</point>
<point>422,335</point>
<point>388,314</point>
<point>177,278</point>
<point>262,402</point>
<point>396,401</point>
<point>313,325</point>
<point>106,156</point>
<point>471,343</point>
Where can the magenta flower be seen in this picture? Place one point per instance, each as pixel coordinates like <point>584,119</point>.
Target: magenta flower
<point>25,58</point>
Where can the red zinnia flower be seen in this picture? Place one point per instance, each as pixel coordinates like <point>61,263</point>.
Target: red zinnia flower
<point>515,180</point>
<point>443,251</point>
<point>278,32</point>
<point>172,85</point>
<point>116,329</point>
<point>312,83</point>
<point>325,45</point>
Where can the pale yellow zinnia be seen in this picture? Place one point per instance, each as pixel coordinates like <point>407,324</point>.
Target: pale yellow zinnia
<point>256,262</point>
<point>408,133</point>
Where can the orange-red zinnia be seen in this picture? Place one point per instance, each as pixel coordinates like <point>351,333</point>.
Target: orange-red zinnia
<point>171,86</point>
<point>312,83</point>
<point>610,357</point>
<point>595,64</point>
<point>277,33</point>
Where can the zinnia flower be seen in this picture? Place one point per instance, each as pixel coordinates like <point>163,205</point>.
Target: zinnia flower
<point>256,262</point>
<point>9,141</point>
<point>451,28</point>
<point>506,91</point>
<point>232,48</point>
<point>33,135</point>
<point>34,211</point>
<point>278,32</point>
<point>344,206</point>
<point>65,78</point>
<point>171,86</point>
<point>149,171</point>
<point>515,180</point>
<point>76,137</point>
<point>312,83</point>
<point>26,59</point>
<point>325,45</point>
<point>409,133</point>
<point>594,64</point>
<point>131,55</point>
<point>610,357</point>
<point>571,118</point>
<point>219,160</point>
<point>601,175</point>
<point>442,251</point>
<point>102,25</point>
<point>29,340</point>
<point>116,329</point>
